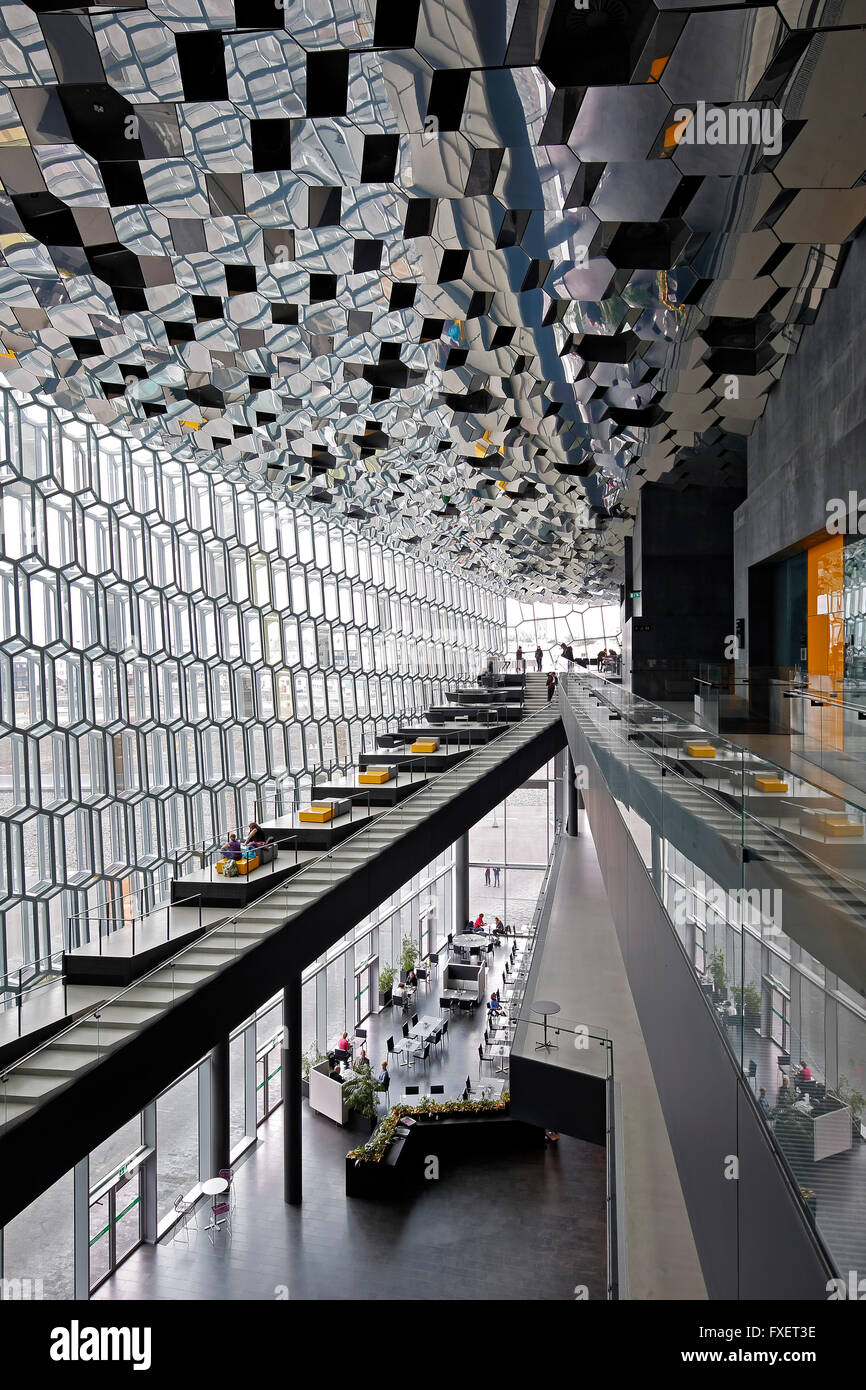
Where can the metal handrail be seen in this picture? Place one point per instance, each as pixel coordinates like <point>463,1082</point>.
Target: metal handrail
<point>95,1013</point>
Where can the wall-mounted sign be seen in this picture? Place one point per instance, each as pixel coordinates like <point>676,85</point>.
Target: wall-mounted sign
<point>635,593</point>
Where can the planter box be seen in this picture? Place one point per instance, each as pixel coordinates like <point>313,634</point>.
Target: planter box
<point>384,1000</point>
<point>361,1124</point>
<point>401,1169</point>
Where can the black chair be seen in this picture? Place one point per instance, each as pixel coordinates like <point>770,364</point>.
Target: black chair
<point>420,1056</point>
<point>437,1090</point>
<point>445,1029</point>
<point>361,1034</point>
<point>414,1020</point>
<point>389,1044</point>
<point>434,960</point>
<point>405,1030</point>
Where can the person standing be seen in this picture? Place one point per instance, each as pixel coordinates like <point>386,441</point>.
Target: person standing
<point>496,873</point>
<point>551,685</point>
<point>539,657</point>
<point>519,659</point>
<point>487,877</point>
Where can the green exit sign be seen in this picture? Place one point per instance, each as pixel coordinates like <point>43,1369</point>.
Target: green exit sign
<point>635,593</point>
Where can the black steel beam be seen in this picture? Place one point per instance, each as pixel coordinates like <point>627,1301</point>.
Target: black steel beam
<point>44,1143</point>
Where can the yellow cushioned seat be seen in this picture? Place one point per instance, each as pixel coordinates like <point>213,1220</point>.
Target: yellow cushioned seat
<point>425,745</point>
<point>770,784</point>
<point>375,775</point>
<point>700,750</point>
<point>318,812</point>
<point>841,825</point>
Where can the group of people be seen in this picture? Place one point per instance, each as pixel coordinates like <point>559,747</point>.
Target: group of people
<point>566,651</point>
<point>339,1059</point>
<point>480,928</point>
<point>787,1092</point>
<point>234,849</point>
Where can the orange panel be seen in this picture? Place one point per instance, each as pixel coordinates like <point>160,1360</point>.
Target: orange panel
<point>825,612</point>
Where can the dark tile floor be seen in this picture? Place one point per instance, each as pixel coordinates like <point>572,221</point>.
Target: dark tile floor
<point>529,1226</point>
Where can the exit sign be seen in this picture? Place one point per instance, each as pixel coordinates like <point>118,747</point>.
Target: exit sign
<point>635,593</point>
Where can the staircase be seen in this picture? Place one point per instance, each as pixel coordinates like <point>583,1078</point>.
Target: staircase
<point>535,692</point>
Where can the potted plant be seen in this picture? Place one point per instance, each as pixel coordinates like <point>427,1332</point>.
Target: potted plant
<point>857,1101</point>
<point>718,971</point>
<point>309,1059</point>
<point>409,953</point>
<point>360,1092</point>
<point>794,1133</point>
<point>386,980</point>
<point>748,1001</point>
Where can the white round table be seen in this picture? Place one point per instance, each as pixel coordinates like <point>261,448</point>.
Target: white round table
<point>213,1187</point>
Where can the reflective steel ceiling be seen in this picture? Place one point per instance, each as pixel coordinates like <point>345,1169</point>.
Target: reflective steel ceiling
<point>468,271</point>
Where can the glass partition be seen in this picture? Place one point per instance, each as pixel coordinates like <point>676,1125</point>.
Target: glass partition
<point>763,877</point>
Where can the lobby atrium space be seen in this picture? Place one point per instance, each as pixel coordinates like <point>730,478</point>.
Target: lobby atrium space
<point>432,669</point>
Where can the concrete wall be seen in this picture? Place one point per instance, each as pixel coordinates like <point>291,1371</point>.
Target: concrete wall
<point>810,443</point>
<point>682,561</point>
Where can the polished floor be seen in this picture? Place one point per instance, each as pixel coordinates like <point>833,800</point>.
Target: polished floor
<point>527,1226</point>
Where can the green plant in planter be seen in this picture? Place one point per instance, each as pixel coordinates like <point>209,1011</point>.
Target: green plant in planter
<point>409,953</point>
<point>386,978</point>
<point>309,1059</point>
<point>360,1092</point>
<point>717,970</point>
<point>748,1001</point>
<point>855,1099</point>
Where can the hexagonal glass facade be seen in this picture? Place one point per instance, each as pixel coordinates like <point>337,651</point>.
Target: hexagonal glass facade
<point>173,647</point>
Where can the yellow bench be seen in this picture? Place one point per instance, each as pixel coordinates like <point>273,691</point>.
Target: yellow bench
<point>375,776</point>
<point>841,825</point>
<point>770,784</point>
<point>700,750</point>
<point>319,812</point>
<point>425,745</point>
<point>245,866</point>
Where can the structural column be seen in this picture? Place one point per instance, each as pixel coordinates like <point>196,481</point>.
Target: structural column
<point>292,1157</point>
<point>220,1108</point>
<point>461,883</point>
<point>573,799</point>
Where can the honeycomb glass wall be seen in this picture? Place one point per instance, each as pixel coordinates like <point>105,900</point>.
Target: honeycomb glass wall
<point>173,646</point>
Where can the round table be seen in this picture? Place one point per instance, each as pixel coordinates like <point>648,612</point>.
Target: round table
<point>545,1007</point>
<point>213,1187</point>
<point>472,940</point>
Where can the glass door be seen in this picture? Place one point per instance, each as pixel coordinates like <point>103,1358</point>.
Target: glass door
<point>269,1078</point>
<point>780,1022</point>
<point>363,994</point>
<point>115,1219</point>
